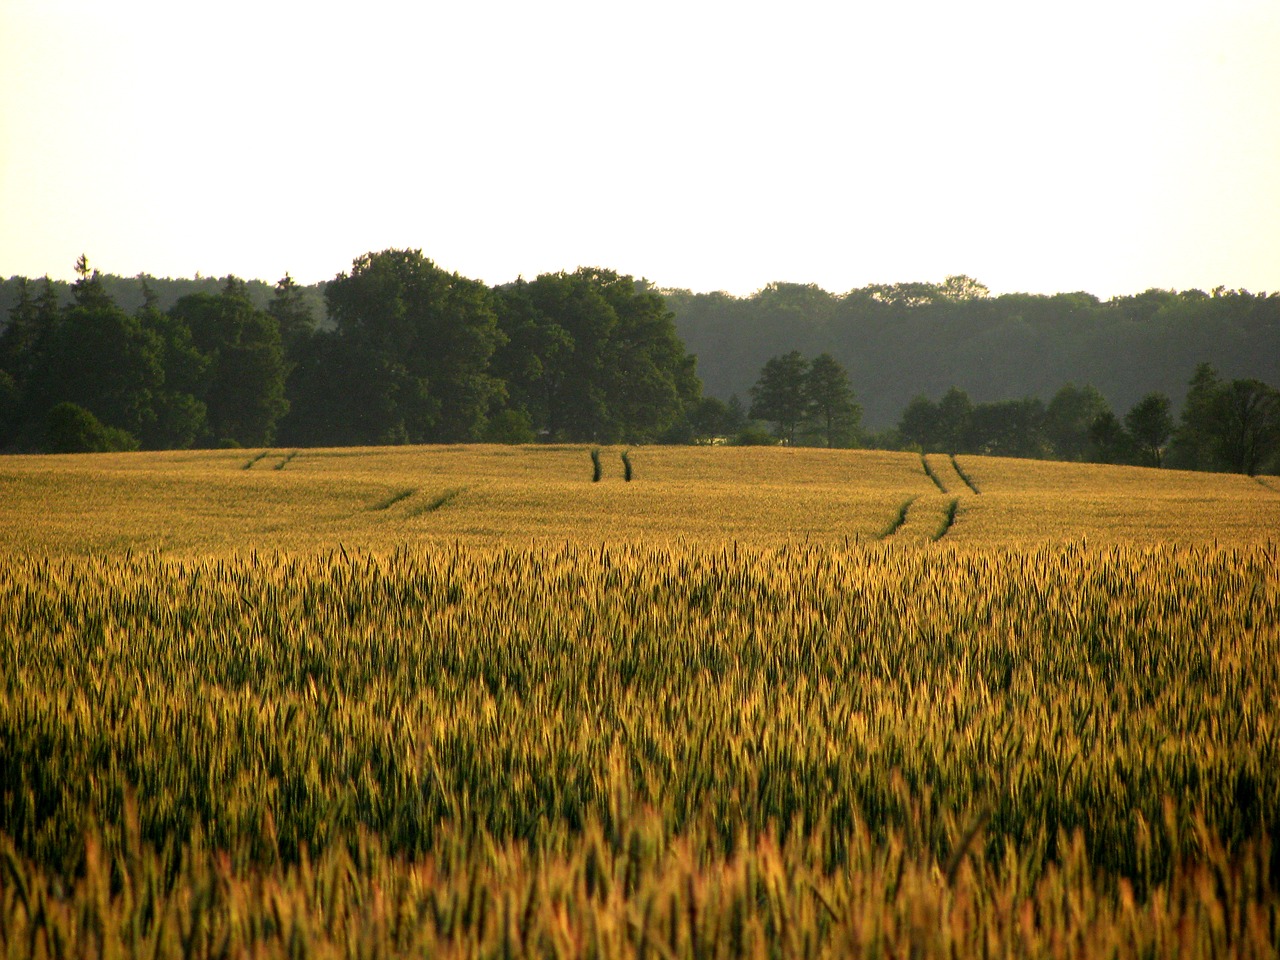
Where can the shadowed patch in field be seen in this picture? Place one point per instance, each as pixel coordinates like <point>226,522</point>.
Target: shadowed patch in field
<point>435,503</point>
<point>395,498</point>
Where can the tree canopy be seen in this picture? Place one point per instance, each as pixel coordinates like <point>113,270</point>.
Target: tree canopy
<point>897,341</point>
<point>589,355</point>
<point>398,350</point>
<point>405,352</point>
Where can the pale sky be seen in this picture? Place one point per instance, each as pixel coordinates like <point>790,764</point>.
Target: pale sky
<point>1103,146</point>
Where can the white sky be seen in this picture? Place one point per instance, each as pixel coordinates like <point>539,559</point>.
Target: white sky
<point>1106,146</point>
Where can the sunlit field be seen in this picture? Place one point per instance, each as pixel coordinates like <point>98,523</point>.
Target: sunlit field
<point>466,702</point>
<point>192,503</point>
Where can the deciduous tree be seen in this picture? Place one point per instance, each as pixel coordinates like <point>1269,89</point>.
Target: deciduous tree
<point>244,387</point>
<point>1068,419</point>
<point>1248,419</point>
<point>830,401</point>
<point>780,395</point>
<point>1150,425</point>
<point>593,355</point>
<point>1109,443</point>
<point>419,339</point>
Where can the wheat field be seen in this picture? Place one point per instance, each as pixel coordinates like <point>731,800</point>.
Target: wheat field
<point>466,702</point>
<point>194,503</point>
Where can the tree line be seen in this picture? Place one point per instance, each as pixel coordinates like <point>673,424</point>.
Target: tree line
<point>406,353</point>
<point>1224,425</point>
<point>397,350</point>
<point>903,339</point>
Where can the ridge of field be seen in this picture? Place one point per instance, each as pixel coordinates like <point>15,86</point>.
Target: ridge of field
<point>194,502</point>
<point>1030,501</point>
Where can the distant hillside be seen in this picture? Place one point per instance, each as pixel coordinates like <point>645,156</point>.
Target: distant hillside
<point>902,340</point>
<point>127,292</point>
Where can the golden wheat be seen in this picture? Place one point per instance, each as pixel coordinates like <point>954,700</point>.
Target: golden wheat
<point>463,702</point>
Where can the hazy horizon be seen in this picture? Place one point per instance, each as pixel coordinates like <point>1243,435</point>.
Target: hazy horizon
<point>1106,148</point>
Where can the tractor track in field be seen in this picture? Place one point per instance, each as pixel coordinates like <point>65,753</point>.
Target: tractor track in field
<point>948,520</point>
<point>965,478</point>
<point>437,502</point>
<point>928,472</point>
<point>391,501</point>
<point>284,459</point>
<point>418,507</point>
<point>897,522</point>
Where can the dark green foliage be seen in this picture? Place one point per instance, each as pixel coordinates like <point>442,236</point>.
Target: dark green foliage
<point>181,414</point>
<point>1231,426</point>
<point>1068,419</point>
<point>1248,414</point>
<point>711,417</point>
<point>1109,442</point>
<point>831,408</point>
<point>328,398</point>
<point>19,335</point>
<point>593,355</point>
<point>955,421</point>
<point>511,425</point>
<point>918,426</point>
<point>1150,425</point>
<point>1009,428</point>
<point>597,471</point>
<point>1195,440</point>
<point>242,386</point>
<point>902,340</point>
<point>944,427</point>
<point>626,466</point>
<point>134,294</point>
<point>295,316</point>
<point>73,429</point>
<point>94,355</point>
<point>138,374</point>
<point>780,394</point>
<point>415,342</point>
<point>10,400</point>
<point>753,436</point>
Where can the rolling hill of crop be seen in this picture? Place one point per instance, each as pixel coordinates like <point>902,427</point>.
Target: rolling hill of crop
<point>470,702</point>
<point>191,503</point>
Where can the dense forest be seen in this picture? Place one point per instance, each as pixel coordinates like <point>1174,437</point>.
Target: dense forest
<point>398,350</point>
<point>407,353</point>
<point>903,340</point>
